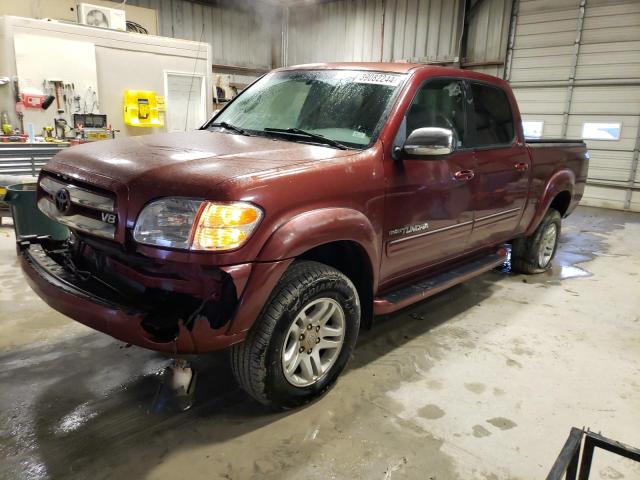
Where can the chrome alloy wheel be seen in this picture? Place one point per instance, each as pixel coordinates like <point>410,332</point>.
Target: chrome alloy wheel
<point>313,343</point>
<point>547,245</point>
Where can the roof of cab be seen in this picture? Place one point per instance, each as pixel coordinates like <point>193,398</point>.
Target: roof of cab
<point>392,67</point>
<point>397,67</point>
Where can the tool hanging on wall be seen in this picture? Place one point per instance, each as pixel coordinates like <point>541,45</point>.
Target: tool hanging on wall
<point>91,99</point>
<point>48,91</point>
<point>57,91</point>
<point>71,100</point>
<point>48,101</point>
<point>19,104</point>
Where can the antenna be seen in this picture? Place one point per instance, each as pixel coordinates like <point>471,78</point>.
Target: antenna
<point>195,67</point>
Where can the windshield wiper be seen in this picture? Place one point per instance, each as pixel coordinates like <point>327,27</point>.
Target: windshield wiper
<point>228,126</point>
<point>314,136</point>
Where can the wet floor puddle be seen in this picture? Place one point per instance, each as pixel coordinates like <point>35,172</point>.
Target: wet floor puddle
<point>570,271</point>
<point>563,267</point>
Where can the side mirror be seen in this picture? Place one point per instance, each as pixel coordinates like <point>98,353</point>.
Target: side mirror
<point>429,141</point>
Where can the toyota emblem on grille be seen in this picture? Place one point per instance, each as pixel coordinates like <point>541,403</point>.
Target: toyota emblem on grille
<point>63,201</point>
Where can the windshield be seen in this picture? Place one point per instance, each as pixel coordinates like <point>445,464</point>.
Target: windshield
<point>344,106</point>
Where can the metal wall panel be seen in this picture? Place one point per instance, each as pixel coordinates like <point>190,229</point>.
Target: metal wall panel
<point>566,84</point>
<point>495,70</point>
<point>545,35</point>
<point>606,100</point>
<point>542,105</point>
<point>487,35</point>
<point>374,30</point>
<point>335,31</point>
<point>422,30</point>
<point>634,203</point>
<point>238,36</point>
<point>597,196</point>
<point>611,41</point>
<point>531,98</point>
<point>545,6</point>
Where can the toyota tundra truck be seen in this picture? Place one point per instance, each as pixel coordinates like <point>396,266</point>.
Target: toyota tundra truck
<point>321,196</point>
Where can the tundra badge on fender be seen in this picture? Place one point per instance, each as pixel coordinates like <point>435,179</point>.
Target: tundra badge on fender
<point>418,227</point>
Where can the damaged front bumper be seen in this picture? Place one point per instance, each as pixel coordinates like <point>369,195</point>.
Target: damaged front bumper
<point>180,309</point>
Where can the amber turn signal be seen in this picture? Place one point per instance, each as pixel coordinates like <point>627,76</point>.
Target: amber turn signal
<point>225,226</point>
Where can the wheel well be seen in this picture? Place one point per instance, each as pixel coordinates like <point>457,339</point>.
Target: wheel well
<point>352,260</point>
<point>561,202</point>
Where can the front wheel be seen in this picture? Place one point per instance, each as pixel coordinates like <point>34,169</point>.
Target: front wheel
<point>533,254</point>
<point>303,338</point>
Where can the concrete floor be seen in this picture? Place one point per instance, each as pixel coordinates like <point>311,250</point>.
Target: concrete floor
<point>481,382</point>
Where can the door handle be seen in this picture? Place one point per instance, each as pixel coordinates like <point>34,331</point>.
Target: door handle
<point>464,175</point>
<point>522,167</point>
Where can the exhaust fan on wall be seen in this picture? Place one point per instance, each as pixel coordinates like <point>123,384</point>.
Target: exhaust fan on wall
<point>103,17</point>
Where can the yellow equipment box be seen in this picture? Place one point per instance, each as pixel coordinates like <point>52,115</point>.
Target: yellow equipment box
<point>143,108</point>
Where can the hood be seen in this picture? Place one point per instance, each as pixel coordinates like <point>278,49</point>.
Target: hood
<point>191,161</point>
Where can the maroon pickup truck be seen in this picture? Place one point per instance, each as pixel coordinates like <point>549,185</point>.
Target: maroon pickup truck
<point>321,196</point>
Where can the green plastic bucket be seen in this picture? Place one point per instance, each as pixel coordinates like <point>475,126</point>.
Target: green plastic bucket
<point>27,219</point>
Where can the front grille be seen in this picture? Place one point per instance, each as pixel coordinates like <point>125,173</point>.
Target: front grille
<point>78,207</point>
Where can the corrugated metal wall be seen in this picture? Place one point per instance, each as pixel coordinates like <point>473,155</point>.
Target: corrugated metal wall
<point>335,31</point>
<point>577,61</point>
<point>422,30</point>
<point>239,36</point>
<point>374,30</point>
<point>342,30</point>
<point>487,36</point>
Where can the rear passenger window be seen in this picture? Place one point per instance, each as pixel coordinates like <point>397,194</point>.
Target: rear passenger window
<point>493,116</point>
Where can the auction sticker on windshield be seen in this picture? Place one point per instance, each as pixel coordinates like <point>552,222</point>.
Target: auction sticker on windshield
<point>379,78</point>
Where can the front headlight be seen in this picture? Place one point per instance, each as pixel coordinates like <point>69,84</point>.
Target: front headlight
<point>196,225</point>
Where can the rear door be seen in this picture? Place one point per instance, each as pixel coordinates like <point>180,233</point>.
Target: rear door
<point>429,201</point>
<point>502,165</point>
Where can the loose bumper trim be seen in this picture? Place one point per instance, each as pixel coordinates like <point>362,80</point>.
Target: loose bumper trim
<point>108,313</point>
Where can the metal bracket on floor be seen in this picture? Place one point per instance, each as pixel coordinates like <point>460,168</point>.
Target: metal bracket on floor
<point>569,458</point>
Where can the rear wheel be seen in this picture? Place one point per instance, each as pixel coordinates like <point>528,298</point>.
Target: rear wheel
<point>303,338</point>
<point>533,254</point>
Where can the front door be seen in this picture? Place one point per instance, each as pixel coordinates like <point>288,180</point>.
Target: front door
<point>502,166</point>
<point>429,200</point>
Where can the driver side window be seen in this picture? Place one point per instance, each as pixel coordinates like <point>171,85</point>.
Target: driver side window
<point>439,103</point>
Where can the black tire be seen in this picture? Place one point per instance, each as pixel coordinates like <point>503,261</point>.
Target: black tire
<point>257,363</point>
<point>525,252</point>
